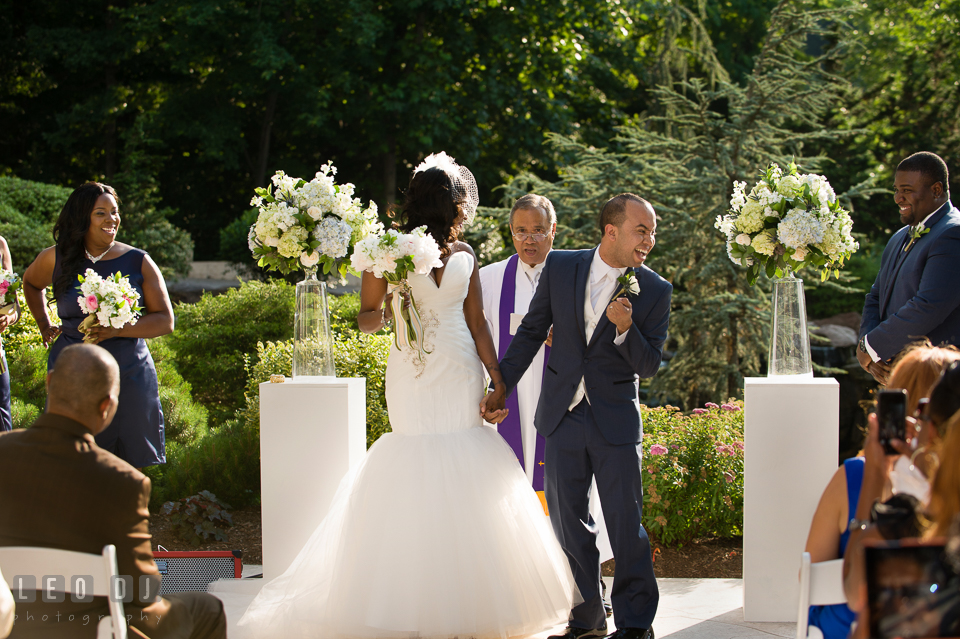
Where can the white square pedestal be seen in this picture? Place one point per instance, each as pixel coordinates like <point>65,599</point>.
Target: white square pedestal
<point>791,428</point>
<point>311,433</point>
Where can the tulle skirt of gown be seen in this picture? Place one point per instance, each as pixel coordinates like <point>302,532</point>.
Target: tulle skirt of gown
<point>437,534</point>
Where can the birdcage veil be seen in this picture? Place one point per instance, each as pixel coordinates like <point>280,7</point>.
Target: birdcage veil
<point>464,185</point>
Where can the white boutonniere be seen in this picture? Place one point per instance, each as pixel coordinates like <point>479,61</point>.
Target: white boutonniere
<point>916,232</point>
<point>628,285</point>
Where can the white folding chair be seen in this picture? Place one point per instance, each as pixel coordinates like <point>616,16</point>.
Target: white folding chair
<point>40,562</point>
<point>821,584</point>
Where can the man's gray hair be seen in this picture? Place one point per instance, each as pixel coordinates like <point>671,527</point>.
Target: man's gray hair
<point>534,201</point>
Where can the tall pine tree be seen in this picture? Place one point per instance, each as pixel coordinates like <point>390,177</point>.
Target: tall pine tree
<point>703,133</point>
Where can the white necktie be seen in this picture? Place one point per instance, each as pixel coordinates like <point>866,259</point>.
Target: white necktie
<point>598,289</point>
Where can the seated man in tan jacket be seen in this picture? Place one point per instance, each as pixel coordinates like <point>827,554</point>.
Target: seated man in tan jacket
<point>60,490</point>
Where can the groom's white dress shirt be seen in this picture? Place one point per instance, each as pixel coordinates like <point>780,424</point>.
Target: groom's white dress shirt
<point>601,285</point>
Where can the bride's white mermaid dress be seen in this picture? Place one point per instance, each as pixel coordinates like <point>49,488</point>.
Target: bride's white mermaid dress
<point>437,534</point>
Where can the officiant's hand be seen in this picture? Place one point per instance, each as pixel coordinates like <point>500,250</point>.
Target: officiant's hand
<point>619,312</point>
<point>492,405</point>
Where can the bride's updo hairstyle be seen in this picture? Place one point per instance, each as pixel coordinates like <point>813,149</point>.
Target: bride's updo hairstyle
<point>429,201</point>
<point>440,192</point>
<point>71,227</point>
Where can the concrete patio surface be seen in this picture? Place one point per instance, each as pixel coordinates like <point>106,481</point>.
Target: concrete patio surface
<point>689,608</point>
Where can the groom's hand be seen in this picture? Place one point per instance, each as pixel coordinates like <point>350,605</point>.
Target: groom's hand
<point>492,405</point>
<point>619,312</point>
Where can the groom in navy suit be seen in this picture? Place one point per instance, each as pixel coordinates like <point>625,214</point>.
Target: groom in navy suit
<point>916,293</point>
<point>609,314</point>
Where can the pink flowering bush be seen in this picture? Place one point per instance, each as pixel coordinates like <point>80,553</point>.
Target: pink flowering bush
<point>693,472</point>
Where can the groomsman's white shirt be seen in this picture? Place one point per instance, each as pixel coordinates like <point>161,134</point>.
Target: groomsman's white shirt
<point>528,389</point>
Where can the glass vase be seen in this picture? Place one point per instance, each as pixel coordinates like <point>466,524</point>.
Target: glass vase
<point>789,340</point>
<point>312,341</point>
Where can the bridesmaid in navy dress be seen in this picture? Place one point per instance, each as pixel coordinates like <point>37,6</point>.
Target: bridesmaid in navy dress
<point>85,236</point>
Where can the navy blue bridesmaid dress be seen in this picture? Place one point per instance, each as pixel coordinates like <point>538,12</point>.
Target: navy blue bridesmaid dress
<point>136,433</point>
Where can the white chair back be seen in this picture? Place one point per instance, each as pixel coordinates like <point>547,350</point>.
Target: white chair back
<point>821,584</point>
<point>18,561</point>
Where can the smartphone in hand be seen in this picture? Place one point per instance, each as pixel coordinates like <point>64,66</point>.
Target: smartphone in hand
<point>892,417</point>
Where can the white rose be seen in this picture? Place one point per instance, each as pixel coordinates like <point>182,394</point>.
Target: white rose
<point>800,254</point>
<point>314,212</point>
<point>743,239</point>
<point>309,259</point>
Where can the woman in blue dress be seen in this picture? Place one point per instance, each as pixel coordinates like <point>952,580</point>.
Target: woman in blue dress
<point>6,420</point>
<point>85,236</point>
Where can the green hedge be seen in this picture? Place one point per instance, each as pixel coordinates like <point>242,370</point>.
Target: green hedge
<point>29,209</point>
<point>213,335</point>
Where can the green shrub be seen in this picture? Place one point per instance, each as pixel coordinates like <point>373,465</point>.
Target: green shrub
<point>693,484</point>
<point>185,420</point>
<point>213,335</point>
<point>23,414</point>
<point>27,213</point>
<point>199,517</point>
<point>225,461</point>
<point>343,313</point>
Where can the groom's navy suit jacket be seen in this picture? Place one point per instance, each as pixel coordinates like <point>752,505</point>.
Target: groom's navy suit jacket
<point>917,293</point>
<point>611,373</point>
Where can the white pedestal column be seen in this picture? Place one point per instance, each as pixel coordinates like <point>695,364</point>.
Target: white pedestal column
<point>791,445</point>
<point>311,433</point>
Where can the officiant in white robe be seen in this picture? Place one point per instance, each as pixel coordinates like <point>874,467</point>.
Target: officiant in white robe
<point>533,224</point>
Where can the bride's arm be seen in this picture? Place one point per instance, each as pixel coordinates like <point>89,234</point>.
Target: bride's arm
<point>477,323</point>
<point>373,314</point>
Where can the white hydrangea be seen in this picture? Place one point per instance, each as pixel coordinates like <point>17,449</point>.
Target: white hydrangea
<point>765,243</point>
<point>725,224</point>
<point>289,245</point>
<point>380,254</point>
<point>800,228</point>
<point>789,185</point>
<point>751,217</point>
<point>334,237</point>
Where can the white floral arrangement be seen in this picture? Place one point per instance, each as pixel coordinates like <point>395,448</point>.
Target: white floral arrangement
<point>107,301</point>
<point>787,221</point>
<point>305,224</point>
<point>394,256</point>
<point>10,283</point>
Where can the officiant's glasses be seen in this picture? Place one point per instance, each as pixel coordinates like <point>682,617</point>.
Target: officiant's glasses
<point>536,237</point>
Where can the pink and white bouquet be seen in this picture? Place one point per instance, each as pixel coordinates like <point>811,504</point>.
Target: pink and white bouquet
<point>305,224</point>
<point>107,301</point>
<point>394,256</point>
<point>788,220</point>
<point>9,285</point>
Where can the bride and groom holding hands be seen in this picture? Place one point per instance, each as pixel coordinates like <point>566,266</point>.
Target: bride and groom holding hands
<point>437,534</point>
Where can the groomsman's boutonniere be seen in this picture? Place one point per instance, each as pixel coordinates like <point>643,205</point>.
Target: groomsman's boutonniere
<point>628,285</point>
<point>916,232</point>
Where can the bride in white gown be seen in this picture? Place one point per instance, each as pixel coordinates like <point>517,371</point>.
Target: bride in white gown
<point>437,534</point>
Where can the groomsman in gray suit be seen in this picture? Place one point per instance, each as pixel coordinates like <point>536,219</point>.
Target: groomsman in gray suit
<point>915,294</point>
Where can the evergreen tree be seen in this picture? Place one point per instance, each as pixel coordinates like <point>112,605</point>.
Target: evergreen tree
<point>684,157</point>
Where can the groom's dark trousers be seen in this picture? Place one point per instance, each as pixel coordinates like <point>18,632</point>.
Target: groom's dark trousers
<point>600,436</point>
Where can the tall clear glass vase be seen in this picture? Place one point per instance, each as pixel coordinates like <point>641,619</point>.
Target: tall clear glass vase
<point>789,340</point>
<point>312,341</point>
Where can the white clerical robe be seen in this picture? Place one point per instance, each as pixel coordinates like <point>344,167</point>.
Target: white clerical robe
<point>528,388</point>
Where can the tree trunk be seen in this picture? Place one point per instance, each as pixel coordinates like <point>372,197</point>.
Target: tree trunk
<point>390,173</point>
<point>263,153</point>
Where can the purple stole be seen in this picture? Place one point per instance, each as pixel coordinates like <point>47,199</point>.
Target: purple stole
<point>509,428</point>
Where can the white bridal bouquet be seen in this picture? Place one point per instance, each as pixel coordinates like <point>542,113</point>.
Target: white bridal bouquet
<point>394,256</point>
<point>107,301</point>
<point>787,221</point>
<point>302,224</point>
<point>9,285</point>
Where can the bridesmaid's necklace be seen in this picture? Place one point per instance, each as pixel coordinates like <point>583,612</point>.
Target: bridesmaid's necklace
<point>98,257</point>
